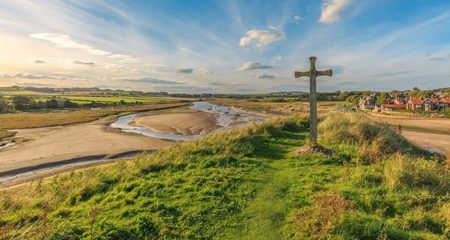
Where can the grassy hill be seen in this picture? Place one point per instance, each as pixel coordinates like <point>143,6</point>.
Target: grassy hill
<point>247,184</point>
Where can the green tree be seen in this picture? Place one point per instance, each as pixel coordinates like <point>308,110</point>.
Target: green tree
<point>21,102</point>
<point>383,98</point>
<point>3,104</point>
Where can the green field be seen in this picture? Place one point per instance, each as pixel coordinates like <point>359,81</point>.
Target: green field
<point>115,99</point>
<point>247,184</point>
<point>48,119</point>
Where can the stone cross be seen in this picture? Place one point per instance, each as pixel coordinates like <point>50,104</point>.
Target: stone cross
<point>312,74</point>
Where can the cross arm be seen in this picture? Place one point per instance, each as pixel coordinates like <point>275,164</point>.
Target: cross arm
<point>301,74</point>
<point>328,73</point>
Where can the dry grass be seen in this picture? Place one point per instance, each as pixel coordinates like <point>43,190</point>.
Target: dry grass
<point>405,172</point>
<point>5,134</point>
<point>374,140</point>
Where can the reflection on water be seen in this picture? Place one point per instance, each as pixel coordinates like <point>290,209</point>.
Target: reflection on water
<point>123,123</point>
<point>224,115</point>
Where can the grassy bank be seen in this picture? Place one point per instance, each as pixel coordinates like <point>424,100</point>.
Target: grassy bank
<point>5,134</point>
<point>247,184</point>
<point>48,119</point>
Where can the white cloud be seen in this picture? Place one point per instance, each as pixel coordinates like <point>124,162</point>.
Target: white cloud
<point>252,66</point>
<point>122,58</point>
<point>297,19</point>
<point>332,9</point>
<point>261,37</point>
<point>279,58</point>
<point>65,41</point>
<point>83,63</point>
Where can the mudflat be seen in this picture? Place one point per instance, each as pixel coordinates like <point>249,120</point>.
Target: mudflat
<point>184,122</point>
<point>52,144</point>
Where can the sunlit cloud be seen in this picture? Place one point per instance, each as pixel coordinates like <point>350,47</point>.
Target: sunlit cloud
<point>332,10</point>
<point>261,37</point>
<point>65,41</point>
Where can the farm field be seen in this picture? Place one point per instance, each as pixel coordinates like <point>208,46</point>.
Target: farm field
<point>248,184</point>
<point>277,108</point>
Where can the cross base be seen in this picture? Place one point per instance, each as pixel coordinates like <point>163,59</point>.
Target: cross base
<point>314,148</point>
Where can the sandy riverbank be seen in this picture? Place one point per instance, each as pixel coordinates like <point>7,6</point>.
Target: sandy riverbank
<point>52,144</point>
<point>432,141</point>
<point>183,122</point>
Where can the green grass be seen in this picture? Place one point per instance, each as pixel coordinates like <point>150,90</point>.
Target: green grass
<point>246,184</point>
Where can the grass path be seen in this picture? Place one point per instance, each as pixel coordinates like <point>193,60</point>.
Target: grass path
<point>287,183</point>
<point>266,213</point>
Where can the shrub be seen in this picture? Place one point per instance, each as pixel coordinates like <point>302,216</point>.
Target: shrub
<point>373,139</point>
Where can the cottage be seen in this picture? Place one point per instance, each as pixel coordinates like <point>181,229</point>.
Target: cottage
<point>428,104</point>
<point>414,104</point>
<point>392,107</point>
<point>443,103</point>
<point>367,103</point>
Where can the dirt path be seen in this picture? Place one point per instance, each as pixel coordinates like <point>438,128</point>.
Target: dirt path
<point>427,133</point>
<point>429,141</point>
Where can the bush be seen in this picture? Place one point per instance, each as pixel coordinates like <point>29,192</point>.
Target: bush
<point>373,139</point>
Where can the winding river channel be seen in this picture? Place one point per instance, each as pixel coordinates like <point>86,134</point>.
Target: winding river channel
<point>225,118</point>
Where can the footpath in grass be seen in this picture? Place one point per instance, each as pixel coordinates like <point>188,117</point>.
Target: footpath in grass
<point>287,183</point>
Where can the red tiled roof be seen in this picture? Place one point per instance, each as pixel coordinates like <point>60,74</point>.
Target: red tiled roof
<point>400,106</point>
<point>415,101</point>
<point>446,100</point>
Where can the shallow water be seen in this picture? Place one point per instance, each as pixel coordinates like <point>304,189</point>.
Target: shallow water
<point>224,116</point>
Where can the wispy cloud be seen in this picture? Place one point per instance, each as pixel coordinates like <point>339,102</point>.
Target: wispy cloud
<point>33,76</point>
<point>83,63</point>
<point>332,10</point>
<point>261,37</point>
<point>265,76</point>
<point>65,41</point>
<point>38,61</point>
<point>185,70</point>
<point>150,80</point>
<point>252,66</point>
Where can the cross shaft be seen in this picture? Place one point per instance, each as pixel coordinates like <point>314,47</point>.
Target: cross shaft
<point>312,74</point>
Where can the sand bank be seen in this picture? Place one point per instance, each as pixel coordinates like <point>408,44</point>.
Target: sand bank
<point>52,144</point>
<point>183,122</point>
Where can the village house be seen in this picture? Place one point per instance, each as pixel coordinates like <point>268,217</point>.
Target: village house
<point>392,107</point>
<point>428,104</point>
<point>414,104</point>
<point>367,103</point>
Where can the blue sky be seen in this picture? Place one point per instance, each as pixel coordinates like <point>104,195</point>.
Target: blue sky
<point>225,46</point>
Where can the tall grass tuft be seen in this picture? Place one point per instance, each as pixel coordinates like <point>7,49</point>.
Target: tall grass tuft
<point>372,139</point>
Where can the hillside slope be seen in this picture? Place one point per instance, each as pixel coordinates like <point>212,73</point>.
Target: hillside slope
<point>247,184</point>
